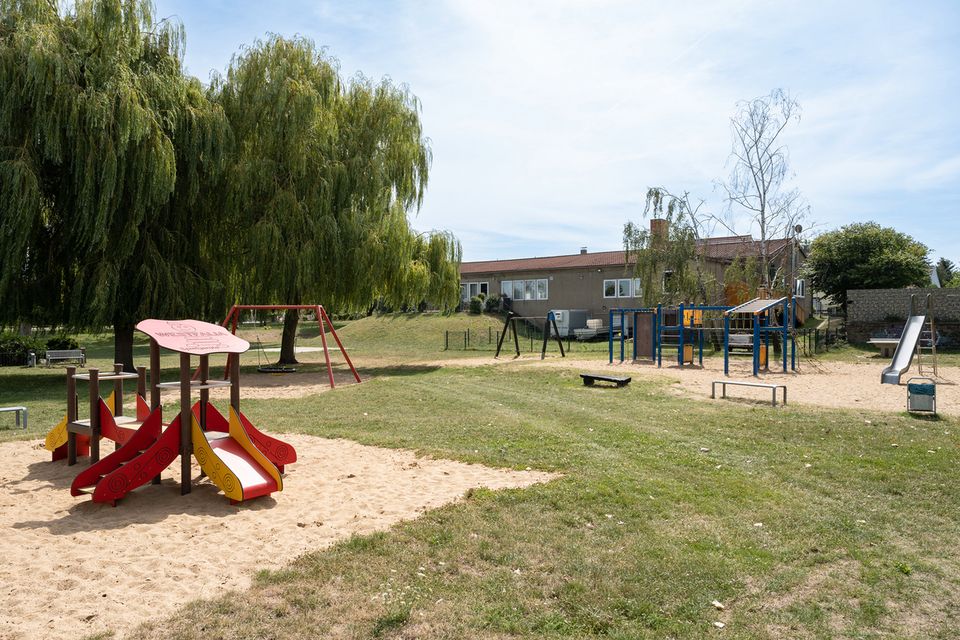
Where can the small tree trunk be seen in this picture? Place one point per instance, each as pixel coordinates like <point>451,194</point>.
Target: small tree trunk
<point>287,353</point>
<point>26,328</point>
<point>123,346</point>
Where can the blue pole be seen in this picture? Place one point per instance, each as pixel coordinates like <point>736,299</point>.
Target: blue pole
<point>610,336</point>
<point>622,332</point>
<point>659,336</point>
<point>680,335</point>
<point>756,344</point>
<point>726,344</point>
<point>634,335</point>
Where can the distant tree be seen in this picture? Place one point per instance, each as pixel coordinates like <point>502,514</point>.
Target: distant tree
<point>761,166</point>
<point>865,256</point>
<point>946,271</point>
<point>105,147</point>
<point>663,259</point>
<point>742,278</point>
<point>319,189</point>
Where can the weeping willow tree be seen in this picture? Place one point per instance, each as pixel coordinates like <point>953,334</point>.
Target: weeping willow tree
<point>105,146</point>
<point>668,261</point>
<point>319,188</point>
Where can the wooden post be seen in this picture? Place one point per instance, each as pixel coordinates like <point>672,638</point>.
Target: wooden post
<point>142,382</point>
<point>154,374</point>
<point>186,434</point>
<point>118,390</point>
<point>235,384</point>
<point>94,414</point>
<point>204,393</point>
<point>71,415</point>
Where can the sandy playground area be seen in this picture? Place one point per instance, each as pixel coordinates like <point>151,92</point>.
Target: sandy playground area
<point>69,567</point>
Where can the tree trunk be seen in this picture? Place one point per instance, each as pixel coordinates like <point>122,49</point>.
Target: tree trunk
<point>123,346</point>
<point>287,353</point>
<point>26,328</point>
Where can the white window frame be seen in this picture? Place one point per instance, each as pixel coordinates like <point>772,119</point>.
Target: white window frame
<point>533,285</point>
<point>614,281</point>
<point>467,288</point>
<point>637,288</point>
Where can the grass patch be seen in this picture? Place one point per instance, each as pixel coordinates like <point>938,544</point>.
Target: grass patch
<point>665,506</point>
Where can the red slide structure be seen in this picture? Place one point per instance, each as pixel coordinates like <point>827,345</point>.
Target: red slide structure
<point>278,452</point>
<point>143,456</point>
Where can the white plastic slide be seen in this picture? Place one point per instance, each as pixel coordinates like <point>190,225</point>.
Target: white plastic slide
<point>903,356</point>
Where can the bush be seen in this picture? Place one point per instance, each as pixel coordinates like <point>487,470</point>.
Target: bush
<point>63,341</point>
<point>14,348</point>
<point>476,304</point>
<point>492,304</point>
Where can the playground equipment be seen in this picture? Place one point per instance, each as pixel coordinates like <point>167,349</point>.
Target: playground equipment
<point>644,323</point>
<point>240,460</point>
<point>687,326</point>
<point>689,331</point>
<point>549,324</point>
<point>922,395</point>
<point>917,330</point>
<point>106,420</point>
<point>653,327</point>
<point>233,319</point>
<point>761,314</point>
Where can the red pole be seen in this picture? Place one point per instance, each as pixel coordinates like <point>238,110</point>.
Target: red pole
<point>323,338</point>
<point>339,344</point>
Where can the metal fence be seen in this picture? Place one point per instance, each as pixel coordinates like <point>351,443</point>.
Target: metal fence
<point>810,342</point>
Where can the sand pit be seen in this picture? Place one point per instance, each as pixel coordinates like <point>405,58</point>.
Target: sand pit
<point>69,567</point>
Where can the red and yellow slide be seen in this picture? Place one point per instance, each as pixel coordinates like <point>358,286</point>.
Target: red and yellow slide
<point>233,462</point>
<point>278,452</point>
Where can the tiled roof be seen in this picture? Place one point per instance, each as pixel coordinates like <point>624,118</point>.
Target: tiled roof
<point>719,249</point>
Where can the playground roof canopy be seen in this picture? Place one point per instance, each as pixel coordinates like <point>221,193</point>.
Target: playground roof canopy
<point>757,305</point>
<point>195,337</point>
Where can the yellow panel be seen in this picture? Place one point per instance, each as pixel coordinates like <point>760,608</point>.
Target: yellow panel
<point>238,433</point>
<point>696,314</point>
<point>218,472</point>
<point>111,403</point>
<point>57,436</point>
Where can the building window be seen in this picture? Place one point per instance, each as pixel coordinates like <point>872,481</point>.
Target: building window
<point>609,288</point>
<point>471,289</point>
<point>525,289</point>
<point>622,288</point>
<point>801,288</point>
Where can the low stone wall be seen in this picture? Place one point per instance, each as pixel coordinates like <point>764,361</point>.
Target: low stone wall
<point>876,311</point>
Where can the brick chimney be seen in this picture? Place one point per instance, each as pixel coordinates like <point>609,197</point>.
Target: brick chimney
<point>659,227</point>
<point>583,251</point>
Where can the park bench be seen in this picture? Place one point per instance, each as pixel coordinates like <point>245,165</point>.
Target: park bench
<point>741,341</point>
<point>762,385</point>
<point>590,378</point>
<point>21,424</point>
<point>66,355</point>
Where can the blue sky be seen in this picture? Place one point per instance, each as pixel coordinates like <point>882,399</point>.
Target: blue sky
<point>548,119</point>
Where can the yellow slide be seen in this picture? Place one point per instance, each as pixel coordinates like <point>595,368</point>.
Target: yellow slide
<point>233,462</point>
<point>58,435</point>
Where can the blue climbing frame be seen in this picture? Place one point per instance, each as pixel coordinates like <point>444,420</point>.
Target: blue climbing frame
<point>680,330</point>
<point>618,318</point>
<point>761,312</point>
<point>622,316</point>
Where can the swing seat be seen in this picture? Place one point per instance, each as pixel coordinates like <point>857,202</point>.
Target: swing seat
<point>276,368</point>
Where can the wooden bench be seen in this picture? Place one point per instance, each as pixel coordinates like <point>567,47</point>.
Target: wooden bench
<point>590,378</point>
<point>21,424</point>
<point>66,355</point>
<point>723,385</point>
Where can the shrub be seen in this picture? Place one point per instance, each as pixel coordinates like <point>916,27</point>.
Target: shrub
<point>492,303</point>
<point>14,348</point>
<point>476,304</point>
<point>63,341</point>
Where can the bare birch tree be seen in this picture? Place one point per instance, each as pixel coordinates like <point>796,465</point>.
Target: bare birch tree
<point>761,167</point>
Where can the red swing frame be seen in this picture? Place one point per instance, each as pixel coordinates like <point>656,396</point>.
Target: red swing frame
<point>233,319</point>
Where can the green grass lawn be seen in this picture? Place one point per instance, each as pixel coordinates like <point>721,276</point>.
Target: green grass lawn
<point>803,522</point>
